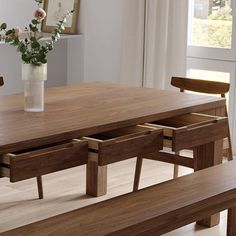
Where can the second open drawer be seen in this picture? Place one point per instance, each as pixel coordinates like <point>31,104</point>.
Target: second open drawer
<point>124,143</point>
<point>25,165</point>
<point>191,130</point>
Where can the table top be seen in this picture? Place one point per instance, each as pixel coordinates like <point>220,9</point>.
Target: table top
<point>75,111</point>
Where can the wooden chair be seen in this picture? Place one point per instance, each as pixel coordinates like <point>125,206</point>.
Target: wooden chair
<point>39,179</point>
<point>192,128</point>
<point>207,87</point>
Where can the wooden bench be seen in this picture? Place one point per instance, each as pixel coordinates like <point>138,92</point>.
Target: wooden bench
<point>152,211</point>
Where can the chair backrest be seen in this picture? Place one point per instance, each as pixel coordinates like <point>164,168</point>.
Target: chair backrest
<point>1,81</point>
<point>200,86</point>
<point>208,87</point>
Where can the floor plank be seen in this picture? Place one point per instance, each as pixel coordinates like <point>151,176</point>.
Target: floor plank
<point>65,191</point>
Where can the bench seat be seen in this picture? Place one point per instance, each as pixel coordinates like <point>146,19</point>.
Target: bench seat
<point>151,211</point>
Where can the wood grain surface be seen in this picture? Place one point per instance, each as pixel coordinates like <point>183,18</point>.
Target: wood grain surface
<point>149,211</point>
<point>200,86</point>
<point>75,111</point>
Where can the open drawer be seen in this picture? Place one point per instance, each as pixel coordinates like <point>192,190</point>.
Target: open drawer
<point>191,130</point>
<point>25,165</point>
<point>125,143</point>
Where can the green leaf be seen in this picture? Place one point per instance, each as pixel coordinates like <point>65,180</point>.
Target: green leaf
<point>35,45</point>
<point>26,57</point>
<point>41,58</point>
<point>39,1</point>
<point>3,26</point>
<point>45,61</point>
<point>22,48</point>
<point>44,49</point>
<point>8,40</point>
<point>33,39</point>
<point>50,47</point>
<point>35,22</point>
<point>57,35</point>
<point>33,28</point>
<point>9,32</point>
<point>56,30</point>
<point>16,41</point>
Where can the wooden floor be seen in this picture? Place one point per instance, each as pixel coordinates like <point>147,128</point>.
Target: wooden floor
<point>64,191</point>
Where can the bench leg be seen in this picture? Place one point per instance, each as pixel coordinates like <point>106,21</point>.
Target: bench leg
<point>40,187</point>
<point>176,168</point>
<point>231,225</point>
<point>137,175</point>
<point>230,150</point>
<point>176,171</point>
<point>206,156</point>
<point>96,179</point>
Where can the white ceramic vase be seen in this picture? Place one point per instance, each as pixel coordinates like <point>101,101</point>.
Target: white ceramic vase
<point>34,77</point>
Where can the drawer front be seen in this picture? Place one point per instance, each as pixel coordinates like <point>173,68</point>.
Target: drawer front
<point>44,161</point>
<point>196,136</point>
<point>131,147</point>
<point>192,130</point>
<point>125,147</point>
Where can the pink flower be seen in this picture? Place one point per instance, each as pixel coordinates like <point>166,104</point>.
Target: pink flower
<point>40,14</point>
<point>18,31</point>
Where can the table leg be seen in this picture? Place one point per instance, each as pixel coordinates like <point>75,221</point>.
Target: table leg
<point>96,182</point>
<point>231,225</point>
<point>137,174</point>
<point>206,156</point>
<point>176,168</point>
<point>40,187</point>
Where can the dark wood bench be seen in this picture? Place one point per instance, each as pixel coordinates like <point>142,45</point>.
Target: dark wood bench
<point>152,211</point>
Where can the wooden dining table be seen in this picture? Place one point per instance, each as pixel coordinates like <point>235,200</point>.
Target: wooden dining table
<point>81,110</point>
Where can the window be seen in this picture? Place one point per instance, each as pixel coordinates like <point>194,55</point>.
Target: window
<point>218,76</point>
<point>214,70</point>
<point>211,51</point>
<point>212,23</point>
<point>210,75</point>
<point>211,29</point>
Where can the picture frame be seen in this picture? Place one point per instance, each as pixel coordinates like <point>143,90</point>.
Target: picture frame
<point>55,10</point>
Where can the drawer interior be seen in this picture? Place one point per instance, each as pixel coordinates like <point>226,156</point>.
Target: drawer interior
<point>185,120</point>
<point>191,130</point>
<point>122,144</point>
<point>45,160</point>
<point>34,152</point>
<point>46,148</point>
<point>123,133</point>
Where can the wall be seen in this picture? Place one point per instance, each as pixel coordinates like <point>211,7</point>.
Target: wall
<point>113,43</point>
<point>10,68</point>
<point>10,62</point>
<point>110,49</point>
<point>17,12</point>
<point>102,34</point>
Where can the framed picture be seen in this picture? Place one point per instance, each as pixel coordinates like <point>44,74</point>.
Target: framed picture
<point>55,10</point>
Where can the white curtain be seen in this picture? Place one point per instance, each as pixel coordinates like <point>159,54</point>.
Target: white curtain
<point>166,41</point>
<point>153,48</point>
<point>132,42</point>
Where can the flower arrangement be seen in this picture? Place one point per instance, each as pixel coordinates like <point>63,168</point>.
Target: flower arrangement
<point>28,42</point>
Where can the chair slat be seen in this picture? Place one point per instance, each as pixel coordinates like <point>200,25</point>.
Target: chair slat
<point>200,86</point>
